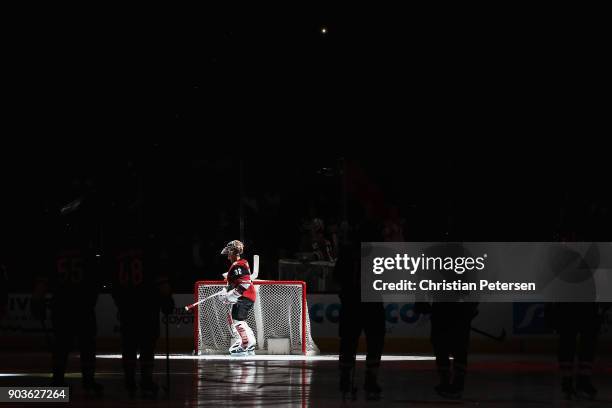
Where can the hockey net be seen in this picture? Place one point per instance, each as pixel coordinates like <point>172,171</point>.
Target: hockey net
<point>280,311</point>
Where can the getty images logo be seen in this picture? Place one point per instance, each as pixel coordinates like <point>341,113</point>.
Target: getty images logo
<point>412,264</point>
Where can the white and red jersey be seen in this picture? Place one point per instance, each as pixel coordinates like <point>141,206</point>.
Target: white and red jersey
<point>239,278</point>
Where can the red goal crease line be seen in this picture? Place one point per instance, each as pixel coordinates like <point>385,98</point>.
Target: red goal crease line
<point>196,326</point>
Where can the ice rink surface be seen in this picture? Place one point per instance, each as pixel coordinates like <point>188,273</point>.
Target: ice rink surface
<point>297,381</point>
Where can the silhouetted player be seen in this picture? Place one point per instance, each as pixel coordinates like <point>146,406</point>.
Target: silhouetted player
<point>139,287</point>
<point>356,317</point>
<point>577,324</point>
<point>74,280</point>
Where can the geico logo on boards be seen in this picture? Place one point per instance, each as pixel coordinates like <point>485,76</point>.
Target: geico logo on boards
<point>320,312</point>
<point>405,313</point>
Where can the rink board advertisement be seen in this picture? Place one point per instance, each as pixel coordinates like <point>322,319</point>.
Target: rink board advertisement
<point>518,319</point>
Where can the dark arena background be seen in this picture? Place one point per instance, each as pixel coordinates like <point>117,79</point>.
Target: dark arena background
<point>137,146</point>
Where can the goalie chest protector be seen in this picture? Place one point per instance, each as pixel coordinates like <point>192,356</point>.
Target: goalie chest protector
<point>239,276</point>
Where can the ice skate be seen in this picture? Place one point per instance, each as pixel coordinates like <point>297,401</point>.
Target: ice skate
<point>372,388</point>
<point>347,385</point>
<point>443,388</point>
<point>453,390</point>
<point>567,387</point>
<point>585,388</point>
<point>93,389</point>
<point>149,388</point>
<point>236,350</point>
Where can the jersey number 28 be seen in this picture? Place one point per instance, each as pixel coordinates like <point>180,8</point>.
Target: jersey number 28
<point>131,272</point>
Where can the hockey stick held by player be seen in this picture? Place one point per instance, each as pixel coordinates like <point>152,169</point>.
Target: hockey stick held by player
<point>225,297</point>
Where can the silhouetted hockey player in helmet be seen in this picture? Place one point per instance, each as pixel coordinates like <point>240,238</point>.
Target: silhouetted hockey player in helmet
<point>240,294</point>
<point>357,316</point>
<point>74,280</point>
<point>140,287</point>
<point>451,320</point>
<point>578,324</point>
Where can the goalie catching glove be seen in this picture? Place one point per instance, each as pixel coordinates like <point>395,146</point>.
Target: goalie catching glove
<point>230,297</point>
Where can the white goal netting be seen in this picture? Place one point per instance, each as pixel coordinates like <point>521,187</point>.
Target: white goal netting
<point>280,311</point>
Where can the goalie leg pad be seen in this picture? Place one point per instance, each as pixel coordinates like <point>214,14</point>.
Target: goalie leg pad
<point>246,334</point>
<point>232,327</point>
<point>245,338</point>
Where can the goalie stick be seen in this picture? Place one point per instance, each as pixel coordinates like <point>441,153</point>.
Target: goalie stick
<point>191,306</point>
<point>255,267</point>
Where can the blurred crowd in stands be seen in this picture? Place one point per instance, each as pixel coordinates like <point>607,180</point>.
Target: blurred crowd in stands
<point>289,208</point>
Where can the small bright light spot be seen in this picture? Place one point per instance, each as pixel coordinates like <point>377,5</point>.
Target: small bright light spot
<point>323,30</point>
<point>98,255</point>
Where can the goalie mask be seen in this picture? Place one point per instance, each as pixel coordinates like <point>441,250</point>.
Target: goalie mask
<point>234,247</point>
